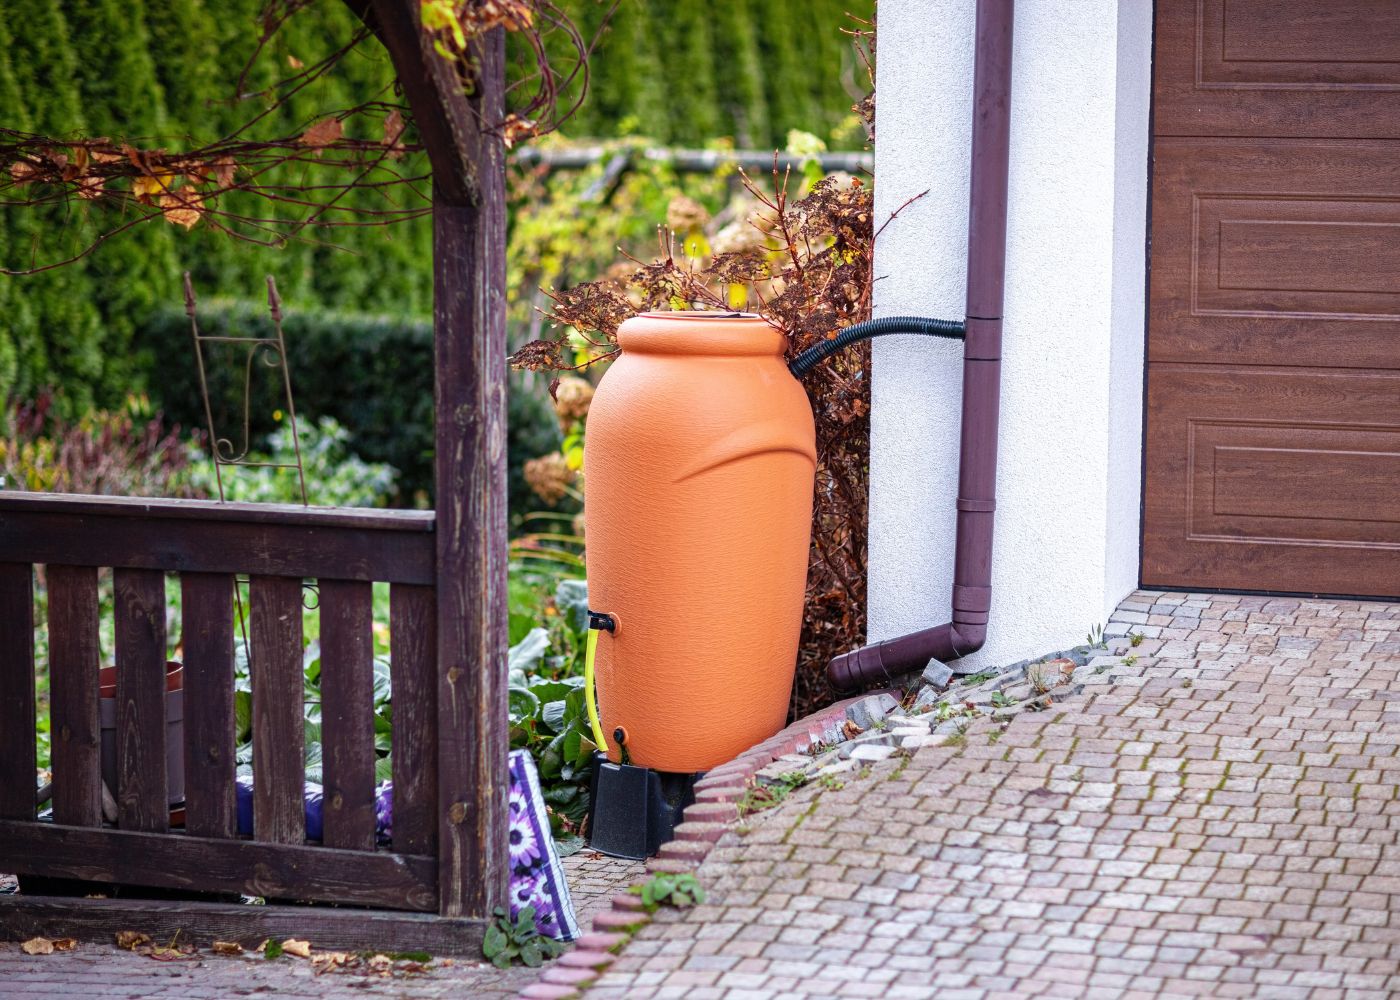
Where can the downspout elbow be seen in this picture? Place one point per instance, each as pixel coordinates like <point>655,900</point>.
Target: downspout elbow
<point>884,662</point>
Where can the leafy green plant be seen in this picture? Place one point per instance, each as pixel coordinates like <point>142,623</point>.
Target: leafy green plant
<point>548,714</point>
<point>664,889</point>
<point>335,476</point>
<point>1135,639</point>
<point>1000,699</point>
<point>758,797</point>
<point>1095,638</point>
<point>507,940</point>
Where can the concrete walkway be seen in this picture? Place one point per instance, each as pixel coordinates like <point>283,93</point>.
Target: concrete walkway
<point>1217,815</point>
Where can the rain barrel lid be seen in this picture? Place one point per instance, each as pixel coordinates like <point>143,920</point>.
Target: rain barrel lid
<point>701,332</point>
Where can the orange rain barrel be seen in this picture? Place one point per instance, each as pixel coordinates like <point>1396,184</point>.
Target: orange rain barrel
<point>698,477</point>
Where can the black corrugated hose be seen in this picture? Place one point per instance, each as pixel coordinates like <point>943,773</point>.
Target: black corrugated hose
<point>884,326</point>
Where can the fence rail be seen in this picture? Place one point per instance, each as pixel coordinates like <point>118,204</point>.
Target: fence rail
<point>205,536</point>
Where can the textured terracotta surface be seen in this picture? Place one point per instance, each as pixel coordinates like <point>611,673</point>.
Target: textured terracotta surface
<point>699,474</point>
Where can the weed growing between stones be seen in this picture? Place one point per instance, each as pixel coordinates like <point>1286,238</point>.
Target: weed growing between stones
<point>663,889</point>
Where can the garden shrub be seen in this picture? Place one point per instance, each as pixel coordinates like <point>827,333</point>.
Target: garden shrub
<point>125,452</point>
<point>335,476</point>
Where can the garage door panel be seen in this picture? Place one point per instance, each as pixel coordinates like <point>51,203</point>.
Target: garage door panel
<point>1273,343</point>
<point>1292,68</point>
<point>1261,478</point>
<point>1281,253</point>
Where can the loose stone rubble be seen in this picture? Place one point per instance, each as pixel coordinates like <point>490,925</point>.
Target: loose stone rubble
<point>941,704</point>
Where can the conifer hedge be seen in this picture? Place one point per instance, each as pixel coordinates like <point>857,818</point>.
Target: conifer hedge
<point>152,71</point>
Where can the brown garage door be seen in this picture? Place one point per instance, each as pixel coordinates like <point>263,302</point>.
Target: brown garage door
<point>1273,377</point>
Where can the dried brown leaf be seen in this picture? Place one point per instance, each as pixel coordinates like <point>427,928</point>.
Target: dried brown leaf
<point>330,961</point>
<point>223,171</point>
<point>324,133</point>
<point>23,171</point>
<point>393,131</point>
<point>226,948</point>
<point>182,208</point>
<point>131,940</point>
<point>514,128</point>
<point>37,946</point>
<point>293,946</point>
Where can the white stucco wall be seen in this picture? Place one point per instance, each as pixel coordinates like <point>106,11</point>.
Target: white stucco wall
<point>1068,483</point>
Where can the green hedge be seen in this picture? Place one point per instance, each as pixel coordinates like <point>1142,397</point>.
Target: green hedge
<point>373,374</point>
<point>691,71</point>
<point>154,72</point>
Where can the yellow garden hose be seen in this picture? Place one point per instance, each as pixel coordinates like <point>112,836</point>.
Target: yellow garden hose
<point>590,696</point>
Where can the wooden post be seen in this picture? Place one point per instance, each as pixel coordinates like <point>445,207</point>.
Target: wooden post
<point>469,353</point>
<point>469,388</point>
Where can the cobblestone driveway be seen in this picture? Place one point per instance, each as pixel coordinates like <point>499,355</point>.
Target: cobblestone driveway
<point>1216,817</point>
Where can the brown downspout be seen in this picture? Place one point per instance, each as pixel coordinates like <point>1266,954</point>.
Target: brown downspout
<point>981,389</point>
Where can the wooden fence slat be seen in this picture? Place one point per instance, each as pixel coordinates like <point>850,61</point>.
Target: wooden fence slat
<point>75,733</point>
<point>279,770</point>
<point>142,799</point>
<point>179,861</point>
<point>347,713</point>
<point>207,630</point>
<point>413,671</point>
<point>17,760</point>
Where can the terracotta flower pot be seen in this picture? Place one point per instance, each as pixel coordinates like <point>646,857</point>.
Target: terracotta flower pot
<point>698,477</point>
<point>174,728</point>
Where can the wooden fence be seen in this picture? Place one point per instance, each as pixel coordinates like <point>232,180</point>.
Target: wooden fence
<point>208,545</point>
<point>447,869</point>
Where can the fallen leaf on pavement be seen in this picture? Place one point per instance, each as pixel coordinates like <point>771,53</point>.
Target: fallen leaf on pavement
<point>301,949</point>
<point>329,961</point>
<point>37,946</point>
<point>65,944</point>
<point>131,940</point>
<point>227,948</point>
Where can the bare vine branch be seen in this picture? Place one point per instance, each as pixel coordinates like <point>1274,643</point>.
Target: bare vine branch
<point>307,174</point>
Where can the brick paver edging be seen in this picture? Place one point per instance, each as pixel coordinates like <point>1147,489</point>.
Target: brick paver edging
<point>715,810</point>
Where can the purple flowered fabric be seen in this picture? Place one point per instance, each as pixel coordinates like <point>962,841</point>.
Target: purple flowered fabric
<point>536,876</point>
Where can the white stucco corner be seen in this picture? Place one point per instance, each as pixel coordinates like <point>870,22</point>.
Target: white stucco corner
<point>1068,484</point>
